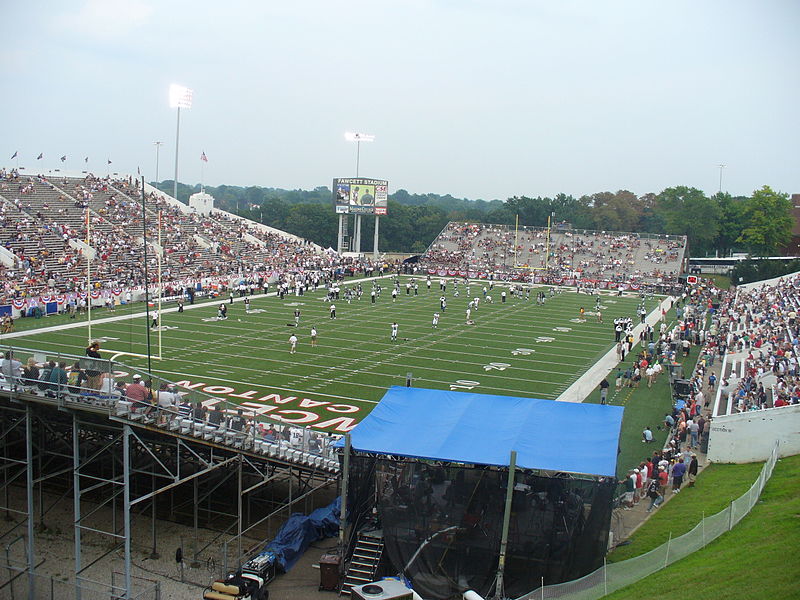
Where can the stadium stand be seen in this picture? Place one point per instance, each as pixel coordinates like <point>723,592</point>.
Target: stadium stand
<point>758,334</point>
<point>161,405</point>
<point>588,256</point>
<point>44,225</point>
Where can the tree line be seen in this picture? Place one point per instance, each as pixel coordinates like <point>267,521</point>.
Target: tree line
<point>759,224</point>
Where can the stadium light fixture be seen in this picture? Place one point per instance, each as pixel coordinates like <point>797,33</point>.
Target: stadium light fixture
<point>179,97</point>
<point>358,138</point>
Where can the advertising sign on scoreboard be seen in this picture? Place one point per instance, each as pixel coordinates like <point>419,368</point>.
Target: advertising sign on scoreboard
<point>360,196</point>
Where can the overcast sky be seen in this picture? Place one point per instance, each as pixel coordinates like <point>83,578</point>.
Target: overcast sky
<point>476,98</point>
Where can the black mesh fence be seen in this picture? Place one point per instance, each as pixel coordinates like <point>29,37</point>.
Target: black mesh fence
<point>451,517</point>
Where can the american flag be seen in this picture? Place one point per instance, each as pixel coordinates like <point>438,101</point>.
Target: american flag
<point>203,157</point>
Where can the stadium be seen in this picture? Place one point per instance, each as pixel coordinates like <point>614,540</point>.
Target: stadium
<point>539,313</point>
<point>339,387</point>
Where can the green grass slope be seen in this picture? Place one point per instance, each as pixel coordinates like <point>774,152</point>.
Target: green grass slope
<point>757,559</point>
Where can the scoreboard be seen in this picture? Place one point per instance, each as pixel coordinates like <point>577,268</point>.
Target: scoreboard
<point>360,196</point>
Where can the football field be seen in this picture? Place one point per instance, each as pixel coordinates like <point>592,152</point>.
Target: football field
<point>514,348</point>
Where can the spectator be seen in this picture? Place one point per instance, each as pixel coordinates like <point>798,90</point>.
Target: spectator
<point>216,418</point>
<point>92,373</point>
<point>58,378</point>
<point>137,394</point>
<point>30,373</point>
<point>678,471</point>
<point>692,470</point>
<point>76,378</point>
<point>604,385</point>
<point>11,369</point>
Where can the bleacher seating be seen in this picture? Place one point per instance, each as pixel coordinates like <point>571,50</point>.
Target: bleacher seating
<point>572,254</point>
<point>40,220</point>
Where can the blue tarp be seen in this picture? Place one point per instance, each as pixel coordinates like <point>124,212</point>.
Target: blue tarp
<point>300,531</point>
<point>483,429</point>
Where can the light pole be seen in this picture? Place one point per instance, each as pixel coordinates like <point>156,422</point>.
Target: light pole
<point>720,166</point>
<point>179,97</point>
<point>357,138</point>
<point>158,147</point>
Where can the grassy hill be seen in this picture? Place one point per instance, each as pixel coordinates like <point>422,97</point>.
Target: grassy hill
<point>754,560</point>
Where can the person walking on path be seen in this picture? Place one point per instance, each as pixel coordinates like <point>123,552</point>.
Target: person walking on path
<point>604,385</point>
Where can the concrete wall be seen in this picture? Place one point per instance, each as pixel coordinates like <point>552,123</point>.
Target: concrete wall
<point>750,436</point>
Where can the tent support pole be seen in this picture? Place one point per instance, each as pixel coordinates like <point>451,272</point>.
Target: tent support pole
<point>501,565</point>
<point>343,513</point>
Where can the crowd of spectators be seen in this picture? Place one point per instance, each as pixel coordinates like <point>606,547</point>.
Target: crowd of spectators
<point>567,253</point>
<point>160,403</point>
<point>758,328</point>
<point>45,223</point>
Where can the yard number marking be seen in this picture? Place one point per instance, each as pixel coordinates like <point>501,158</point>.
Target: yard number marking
<point>464,384</point>
<point>522,351</point>
<point>496,366</point>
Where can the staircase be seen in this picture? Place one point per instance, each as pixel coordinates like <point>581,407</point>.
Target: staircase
<point>365,560</point>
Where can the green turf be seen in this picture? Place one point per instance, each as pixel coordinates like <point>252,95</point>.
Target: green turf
<point>514,348</point>
<point>716,486</point>
<point>643,407</point>
<point>721,281</point>
<point>754,560</point>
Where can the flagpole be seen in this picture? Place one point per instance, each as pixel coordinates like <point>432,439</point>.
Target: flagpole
<point>202,173</point>
<point>88,271</point>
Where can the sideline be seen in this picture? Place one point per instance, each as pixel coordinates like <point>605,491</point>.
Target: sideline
<point>143,314</point>
<point>586,383</point>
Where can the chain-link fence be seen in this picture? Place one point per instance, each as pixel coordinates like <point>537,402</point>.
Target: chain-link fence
<point>614,576</point>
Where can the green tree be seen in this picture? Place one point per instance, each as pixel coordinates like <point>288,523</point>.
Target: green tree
<point>730,222</point>
<point>314,222</point>
<point>688,211</point>
<point>620,211</point>
<point>767,220</point>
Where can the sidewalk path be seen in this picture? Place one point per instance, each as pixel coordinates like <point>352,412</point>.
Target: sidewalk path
<point>588,382</point>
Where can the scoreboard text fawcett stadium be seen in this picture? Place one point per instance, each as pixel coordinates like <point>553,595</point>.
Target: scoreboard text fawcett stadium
<point>360,196</point>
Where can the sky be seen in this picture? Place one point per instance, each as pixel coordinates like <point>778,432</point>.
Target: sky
<point>473,98</point>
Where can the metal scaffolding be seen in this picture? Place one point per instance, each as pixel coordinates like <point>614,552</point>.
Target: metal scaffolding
<point>138,471</point>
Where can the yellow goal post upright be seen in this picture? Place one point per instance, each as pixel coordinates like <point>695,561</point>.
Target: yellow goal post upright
<point>546,250</point>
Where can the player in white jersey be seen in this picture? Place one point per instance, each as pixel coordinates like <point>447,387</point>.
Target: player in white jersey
<point>435,322</point>
<point>394,332</point>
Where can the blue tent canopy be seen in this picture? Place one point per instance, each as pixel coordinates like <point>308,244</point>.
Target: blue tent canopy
<point>483,429</point>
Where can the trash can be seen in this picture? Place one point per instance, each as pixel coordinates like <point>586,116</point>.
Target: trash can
<point>329,572</point>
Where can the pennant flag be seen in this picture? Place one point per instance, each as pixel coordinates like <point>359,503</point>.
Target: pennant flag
<point>109,161</point>
<point>203,157</point>
<point>63,158</point>
<point>13,156</point>
<point>86,160</point>
<point>138,172</point>
<point>41,154</point>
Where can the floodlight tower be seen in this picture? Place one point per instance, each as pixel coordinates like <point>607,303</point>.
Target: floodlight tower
<point>720,167</point>
<point>179,97</point>
<point>357,138</point>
